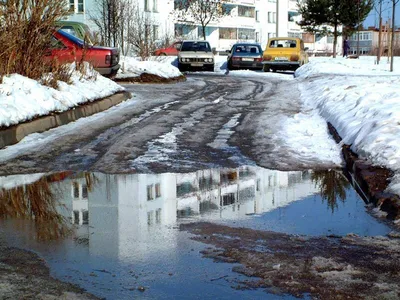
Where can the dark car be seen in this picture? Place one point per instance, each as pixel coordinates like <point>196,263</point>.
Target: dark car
<point>245,56</point>
<point>66,48</point>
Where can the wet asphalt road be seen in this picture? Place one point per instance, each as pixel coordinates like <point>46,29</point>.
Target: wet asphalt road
<point>211,120</point>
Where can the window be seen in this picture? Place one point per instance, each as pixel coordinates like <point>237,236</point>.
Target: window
<point>246,11</point>
<point>158,190</point>
<point>155,32</point>
<point>271,17</point>
<point>228,33</point>
<point>257,16</point>
<point>80,6</point>
<point>155,6</point>
<point>292,16</point>
<point>150,192</point>
<point>71,5</point>
<point>246,34</point>
<point>146,5</point>
<point>257,37</point>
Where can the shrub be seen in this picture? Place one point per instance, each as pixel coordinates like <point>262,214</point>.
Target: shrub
<point>26,33</point>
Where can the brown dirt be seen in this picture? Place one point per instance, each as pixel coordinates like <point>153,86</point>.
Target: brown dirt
<point>24,275</point>
<point>350,267</point>
<point>151,78</point>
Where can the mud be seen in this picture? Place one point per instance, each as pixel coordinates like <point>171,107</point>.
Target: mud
<point>150,78</point>
<point>371,181</point>
<point>24,275</point>
<point>331,267</point>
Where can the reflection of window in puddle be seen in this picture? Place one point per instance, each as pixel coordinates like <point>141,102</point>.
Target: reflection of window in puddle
<point>150,217</point>
<point>80,218</point>
<point>150,192</point>
<point>205,183</point>
<point>258,185</point>
<point>228,199</point>
<point>158,190</point>
<point>184,188</point>
<point>158,215</point>
<point>245,172</point>
<point>228,177</point>
<point>181,213</point>
<point>247,193</point>
<point>84,191</point>
<point>76,189</point>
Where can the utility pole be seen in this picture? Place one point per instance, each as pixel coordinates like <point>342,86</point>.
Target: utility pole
<point>394,2</point>
<point>358,28</point>
<point>378,57</point>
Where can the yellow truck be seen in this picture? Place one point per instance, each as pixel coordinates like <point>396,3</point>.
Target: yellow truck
<point>284,53</point>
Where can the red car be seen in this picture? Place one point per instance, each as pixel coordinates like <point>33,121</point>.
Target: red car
<point>67,48</point>
<point>172,50</point>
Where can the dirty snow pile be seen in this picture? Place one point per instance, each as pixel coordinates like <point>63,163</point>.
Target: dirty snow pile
<point>160,66</point>
<point>362,101</point>
<point>22,98</point>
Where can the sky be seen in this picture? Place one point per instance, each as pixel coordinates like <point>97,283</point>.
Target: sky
<point>360,98</point>
<point>372,19</point>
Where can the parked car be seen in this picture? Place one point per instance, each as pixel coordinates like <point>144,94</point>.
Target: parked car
<point>196,55</point>
<point>245,56</point>
<point>66,48</point>
<point>78,29</point>
<point>284,53</point>
<point>171,50</point>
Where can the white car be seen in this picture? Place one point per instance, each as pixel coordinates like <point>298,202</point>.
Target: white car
<point>196,55</point>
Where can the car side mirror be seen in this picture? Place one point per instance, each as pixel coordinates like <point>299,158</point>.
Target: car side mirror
<point>214,50</point>
<point>306,48</point>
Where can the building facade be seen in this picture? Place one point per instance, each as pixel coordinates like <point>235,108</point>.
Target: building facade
<point>246,20</point>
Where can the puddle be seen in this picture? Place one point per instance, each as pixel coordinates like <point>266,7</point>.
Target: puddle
<point>113,233</point>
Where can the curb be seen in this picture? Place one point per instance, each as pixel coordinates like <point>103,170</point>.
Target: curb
<point>371,181</point>
<point>16,133</point>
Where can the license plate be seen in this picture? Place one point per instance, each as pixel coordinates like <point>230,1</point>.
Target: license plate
<point>281,58</point>
<point>247,59</point>
<point>196,64</point>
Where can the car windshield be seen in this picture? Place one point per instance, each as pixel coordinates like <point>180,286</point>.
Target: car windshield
<point>254,49</point>
<point>195,46</point>
<point>282,44</point>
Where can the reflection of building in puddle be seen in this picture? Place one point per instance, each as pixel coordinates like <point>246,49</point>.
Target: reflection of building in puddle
<point>239,192</point>
<point>118,214</point>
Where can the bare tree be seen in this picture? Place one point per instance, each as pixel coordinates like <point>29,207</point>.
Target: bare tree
<point>199,12</point>
<point>26,32</point>
<point>143,33</point>
<point>108,17</point>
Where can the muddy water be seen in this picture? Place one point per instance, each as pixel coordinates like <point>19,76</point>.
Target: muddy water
<point>117,235</point>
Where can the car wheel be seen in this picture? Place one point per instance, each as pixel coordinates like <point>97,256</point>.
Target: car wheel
<point>181,67</point>
<point>163,54</point>
<point>273,70</point>
<point>265,68</point>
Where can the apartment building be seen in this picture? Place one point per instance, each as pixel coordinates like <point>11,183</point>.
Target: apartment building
<point>367,41</point>
<point>246,20</point>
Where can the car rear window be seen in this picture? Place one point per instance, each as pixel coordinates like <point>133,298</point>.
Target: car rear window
<point>195,46</point>
<point>282,44</point>
<point>248,49</point>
